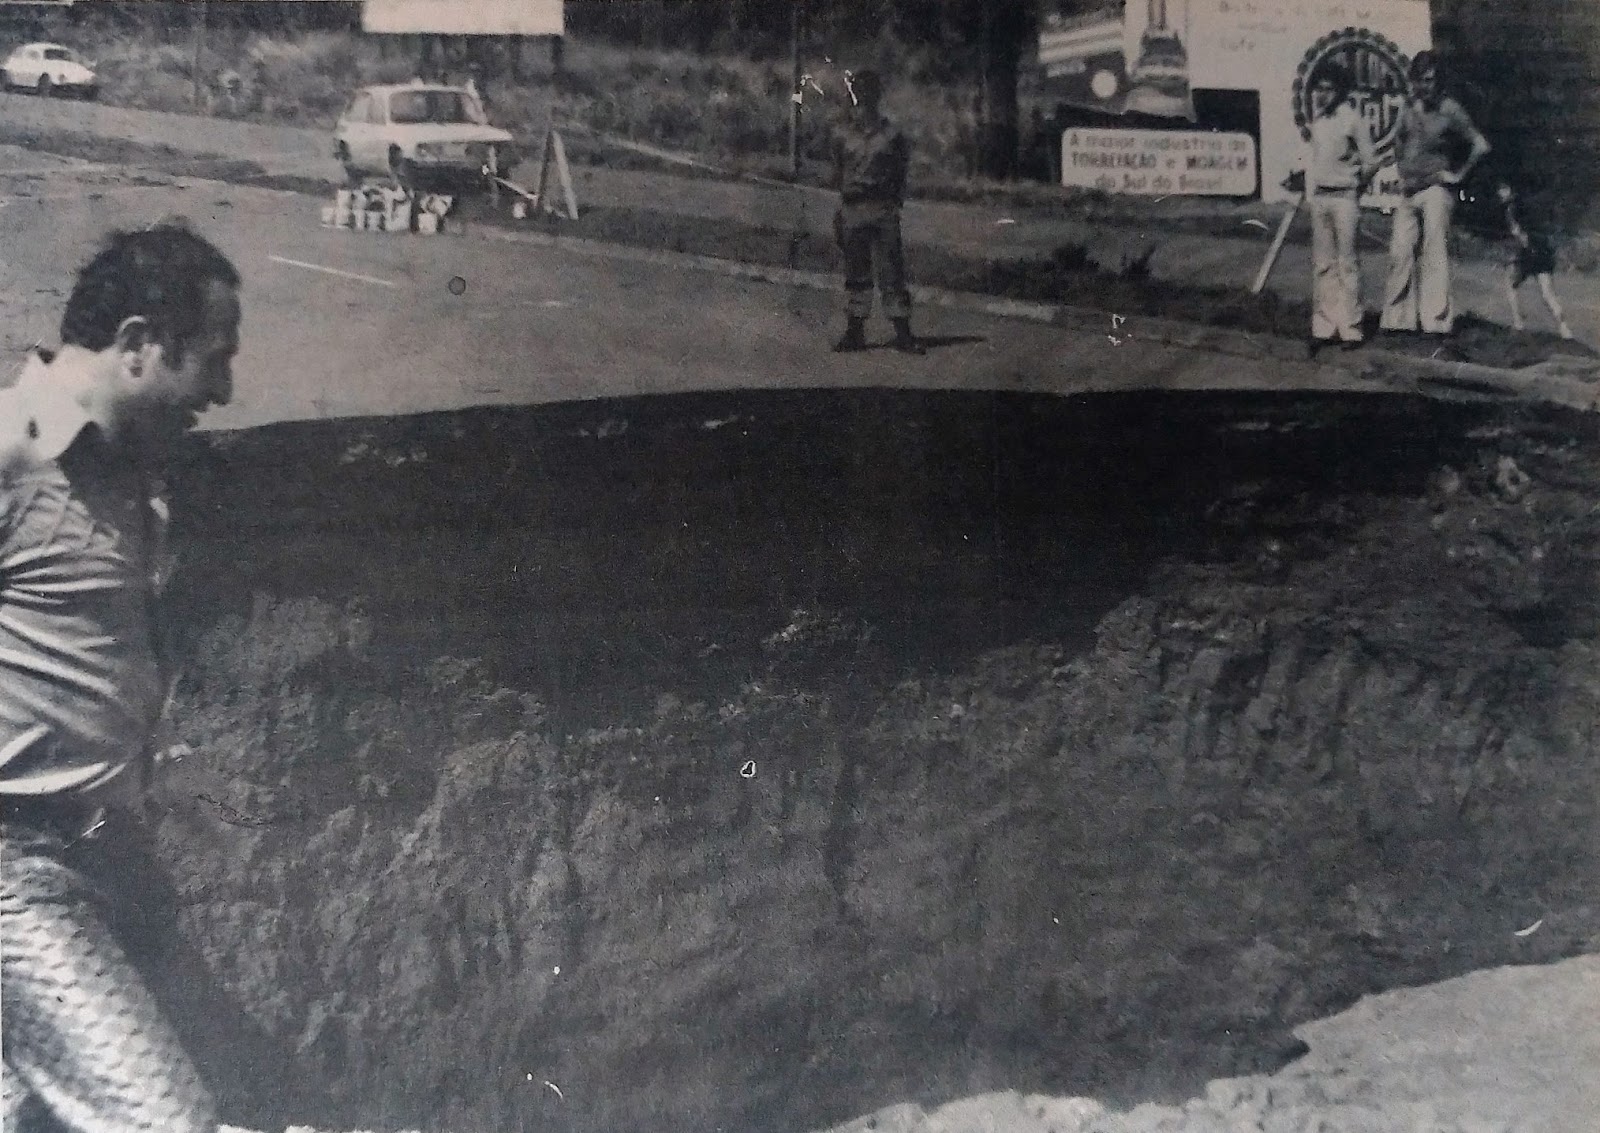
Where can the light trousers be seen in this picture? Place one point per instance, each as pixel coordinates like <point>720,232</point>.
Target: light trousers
<point>1417,295</point>
<point>1336,275</point>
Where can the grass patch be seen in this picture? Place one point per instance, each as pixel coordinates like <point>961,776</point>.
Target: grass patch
<point>155,158</point>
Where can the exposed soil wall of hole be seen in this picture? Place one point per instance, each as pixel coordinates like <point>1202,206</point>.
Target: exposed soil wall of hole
<point>756,761</point>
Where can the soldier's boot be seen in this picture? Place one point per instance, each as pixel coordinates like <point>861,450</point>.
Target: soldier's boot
<point>855,337</point>
<point>904,340</point>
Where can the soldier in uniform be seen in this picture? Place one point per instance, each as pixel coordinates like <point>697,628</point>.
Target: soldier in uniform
<point>871,161</point>
<point>148,340</point>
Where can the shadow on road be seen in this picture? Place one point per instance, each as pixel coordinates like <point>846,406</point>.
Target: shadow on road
<point>938,341</point>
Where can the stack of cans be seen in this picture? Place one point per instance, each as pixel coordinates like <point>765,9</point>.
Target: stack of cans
<point>385,208</point>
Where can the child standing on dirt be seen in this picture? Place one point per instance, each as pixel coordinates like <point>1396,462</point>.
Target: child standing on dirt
<point>1532,257</point>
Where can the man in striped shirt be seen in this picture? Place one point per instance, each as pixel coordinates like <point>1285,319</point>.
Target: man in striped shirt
<point>148,340</point>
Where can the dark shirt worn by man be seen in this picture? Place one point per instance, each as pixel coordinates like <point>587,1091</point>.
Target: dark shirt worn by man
<point>1427,141</point>
<point>80,691</point>
<point>80,682</point>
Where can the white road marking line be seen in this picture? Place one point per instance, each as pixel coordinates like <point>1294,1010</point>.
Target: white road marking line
<point>333,271</point>
<point>89,193</point>
<point>68,165</point>
<point>42,171</point>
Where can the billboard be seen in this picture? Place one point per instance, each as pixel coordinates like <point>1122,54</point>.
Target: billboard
<point>1157,51</point>
<point>1152,58</point>
<point>1275,46</point>
<point>463,17</point>
<point>1083,61</point>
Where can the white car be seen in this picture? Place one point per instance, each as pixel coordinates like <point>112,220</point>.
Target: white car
<point>425,135</point>
<point>49,68</point>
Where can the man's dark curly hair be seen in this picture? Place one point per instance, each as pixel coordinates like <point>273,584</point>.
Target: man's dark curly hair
<point>160,273</point>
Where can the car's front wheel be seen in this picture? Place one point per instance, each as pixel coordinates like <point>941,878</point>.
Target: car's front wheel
<point>352,175</point>
<point>503,160</point>
<point>402,168</point>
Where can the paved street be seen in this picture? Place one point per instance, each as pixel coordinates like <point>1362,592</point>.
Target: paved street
<point>977,230</point>
<point>342,323</point>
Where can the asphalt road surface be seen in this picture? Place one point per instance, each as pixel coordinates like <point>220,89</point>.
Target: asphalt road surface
<point>975,230</point>
<point>341,323</point>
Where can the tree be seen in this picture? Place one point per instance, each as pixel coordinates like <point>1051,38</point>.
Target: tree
<point>1008,28</point>
<point>989,39</point>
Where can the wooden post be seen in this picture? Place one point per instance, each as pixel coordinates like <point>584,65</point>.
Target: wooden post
<point>794,87</point>
<point>553,159</point>
<point>542,187</point>
<point>519,58</point>
<point>1277,245</point>
<point>199,47</point>
<point>564,175</point>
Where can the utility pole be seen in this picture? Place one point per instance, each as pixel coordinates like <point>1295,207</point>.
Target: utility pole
<point>795,21</point>
<point>1005,25</point>
<point>199,46</point>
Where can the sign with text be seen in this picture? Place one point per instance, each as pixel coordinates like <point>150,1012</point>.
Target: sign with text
<point>1273,49</point>
<point>1277,47</point>
<point>1159,163</point>
<point>463,17</point>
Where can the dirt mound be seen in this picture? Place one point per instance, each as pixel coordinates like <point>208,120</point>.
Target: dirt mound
<point>1510,1049</point>
<point>948,745</point>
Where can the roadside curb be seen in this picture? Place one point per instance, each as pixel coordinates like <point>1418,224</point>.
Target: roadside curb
<point>1573,383</point>
<point>1080,320</point>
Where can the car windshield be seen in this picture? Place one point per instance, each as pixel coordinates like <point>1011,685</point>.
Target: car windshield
<point>60,55</point>
<point>409,107</point>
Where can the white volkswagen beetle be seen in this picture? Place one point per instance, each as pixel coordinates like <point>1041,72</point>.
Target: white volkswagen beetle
<point>49,68</point>
<point>426,135</point>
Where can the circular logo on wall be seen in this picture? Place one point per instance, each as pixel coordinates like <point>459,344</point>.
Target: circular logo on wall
<point>1381,84</point>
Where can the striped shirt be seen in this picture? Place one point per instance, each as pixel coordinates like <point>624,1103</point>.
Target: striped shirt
<point>80,683</point>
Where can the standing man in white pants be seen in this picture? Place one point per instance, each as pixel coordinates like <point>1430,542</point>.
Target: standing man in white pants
<point>1343,160</point>
<point>1431,127</point>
